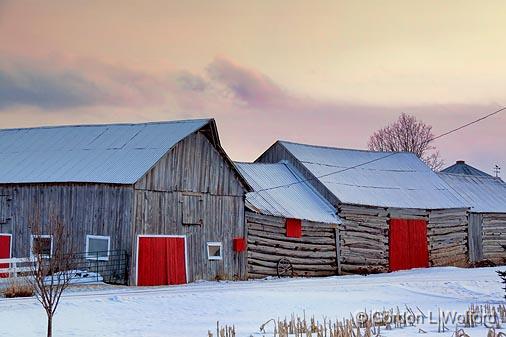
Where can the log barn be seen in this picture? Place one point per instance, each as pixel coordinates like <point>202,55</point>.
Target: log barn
<point>292,231</point>
<point>396,212</point>
<point>487,217</point>
<point>166,193</point>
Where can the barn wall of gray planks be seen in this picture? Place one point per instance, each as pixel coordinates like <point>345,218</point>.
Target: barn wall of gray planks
<point>475,235</point>
<point>192,191</point>
<point>494,237</point>
<point>83,209</point>
<point>314,254</point>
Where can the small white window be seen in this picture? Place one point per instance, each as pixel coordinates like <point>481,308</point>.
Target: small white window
<point>214,251</point>
<point>41,244</point>
<point>97,247</point>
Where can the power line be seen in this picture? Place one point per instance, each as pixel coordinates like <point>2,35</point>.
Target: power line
<point>383,157</point>
<point>470,123</point>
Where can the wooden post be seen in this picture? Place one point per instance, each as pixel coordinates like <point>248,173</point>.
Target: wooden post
<point>338,259</point>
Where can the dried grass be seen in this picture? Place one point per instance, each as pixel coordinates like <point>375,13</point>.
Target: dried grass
<point>371,325</point>
<point>18,289</point>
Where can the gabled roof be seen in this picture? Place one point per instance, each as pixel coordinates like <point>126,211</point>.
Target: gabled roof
<point>112,153</point>
<point>399,180</point>
<point>299,200</point>
<point>460,167</point>
<point>485,194</point>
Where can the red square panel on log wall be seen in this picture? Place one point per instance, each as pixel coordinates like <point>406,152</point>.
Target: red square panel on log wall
<point>161,261</point>
<point>293,228</point>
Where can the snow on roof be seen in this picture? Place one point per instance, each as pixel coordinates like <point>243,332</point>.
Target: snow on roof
<point>299,201</point>
<point>460,167</point>
<point>114,153</point>
<point>484,194</point>
<point>400,180</point>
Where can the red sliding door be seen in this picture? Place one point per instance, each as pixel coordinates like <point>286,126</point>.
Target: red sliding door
<point>408,244</point>
<point>161,261</point>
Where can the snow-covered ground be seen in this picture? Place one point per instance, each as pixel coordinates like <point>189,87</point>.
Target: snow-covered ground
<point>193,309</point>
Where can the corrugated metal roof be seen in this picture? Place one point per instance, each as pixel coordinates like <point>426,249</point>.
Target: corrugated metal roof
<point>113,153</point>
<point>401,180</point>
<point>484,194</point>
<point>460,167</point>
<point>299,201</point>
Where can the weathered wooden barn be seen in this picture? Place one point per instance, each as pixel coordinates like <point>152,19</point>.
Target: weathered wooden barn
<point>487,217</point>
<point>165,192</point>
<point>396,212</point>
<point>291,231</point>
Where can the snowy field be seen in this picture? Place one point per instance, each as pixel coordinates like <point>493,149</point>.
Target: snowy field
<point>192,310</point>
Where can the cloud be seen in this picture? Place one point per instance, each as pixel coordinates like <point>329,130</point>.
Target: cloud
<point>247,85</point>
<point>252,109</point>
<point>45,89</point>
<point>191,82</point>
<point>65,83</point>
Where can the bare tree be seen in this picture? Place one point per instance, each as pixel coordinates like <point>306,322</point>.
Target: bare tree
<point>410,135</point>
<point>53,266</point>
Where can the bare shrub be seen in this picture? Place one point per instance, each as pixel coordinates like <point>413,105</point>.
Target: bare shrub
<point>17,288</point>
<point>53,266</point>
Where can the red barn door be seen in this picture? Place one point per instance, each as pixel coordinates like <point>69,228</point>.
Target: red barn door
<point>5,251</point>
<point>408,244</point>
<point>419,251</point>
<point>161,261</point>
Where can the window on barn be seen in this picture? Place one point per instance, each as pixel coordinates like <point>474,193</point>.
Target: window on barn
<point>41,245</point>
<point>192,210</point>
<point>3,208</point>
<point>97,247</point>
<point>293,228</point>
<point>214,251</point>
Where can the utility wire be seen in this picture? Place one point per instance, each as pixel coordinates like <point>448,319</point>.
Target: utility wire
<point>383,157</point>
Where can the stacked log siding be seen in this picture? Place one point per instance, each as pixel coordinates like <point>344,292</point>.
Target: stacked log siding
<point>487,216</point>
<point>448,235</point>
<point>314,254</point>
<point>363,239</point>
<point>494,237</point>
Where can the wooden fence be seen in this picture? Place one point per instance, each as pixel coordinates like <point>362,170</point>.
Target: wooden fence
<point>15,267</point>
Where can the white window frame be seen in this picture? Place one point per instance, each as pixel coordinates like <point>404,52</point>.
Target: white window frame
<point>41,237</point>
<point>97,237</point>
<point>214,258</point>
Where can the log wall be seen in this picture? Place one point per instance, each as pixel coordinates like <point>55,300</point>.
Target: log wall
<point>494,237</point>
<point>314,254</point>
<point>363,239</point>
<point>365,236</point>
<point>448,233</point>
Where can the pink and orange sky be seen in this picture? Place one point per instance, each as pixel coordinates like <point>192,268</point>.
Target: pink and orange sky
<point>320,72</point>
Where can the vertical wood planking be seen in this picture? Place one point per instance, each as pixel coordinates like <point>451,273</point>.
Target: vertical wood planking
<point>199,195</point>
